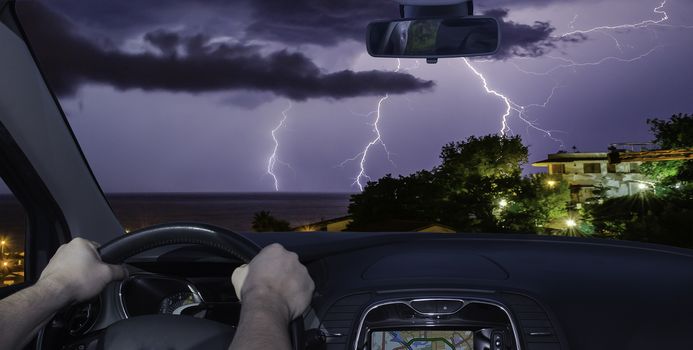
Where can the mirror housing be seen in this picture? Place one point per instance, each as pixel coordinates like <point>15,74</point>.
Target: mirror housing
<point>434,37</point>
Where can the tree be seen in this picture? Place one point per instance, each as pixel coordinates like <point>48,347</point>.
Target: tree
<point>414,197</point>
<point>677,132</point>
<point>672,176</point>
<point>645,219</point>
<point>478,187</point>
<point>541,202</point>
<point>475,176</point>
<point>662,216</point>
<point>263,221</point>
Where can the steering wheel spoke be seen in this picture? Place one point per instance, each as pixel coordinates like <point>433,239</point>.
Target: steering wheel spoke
<point>88,341</point>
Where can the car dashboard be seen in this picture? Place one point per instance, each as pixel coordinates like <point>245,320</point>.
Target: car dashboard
<point>412,291</point>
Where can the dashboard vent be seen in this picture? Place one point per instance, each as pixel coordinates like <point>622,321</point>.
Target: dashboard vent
<point>341,318</point>
<point>534,323</point>
<point>81,317</point>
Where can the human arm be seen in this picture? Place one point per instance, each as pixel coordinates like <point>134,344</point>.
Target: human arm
<point>74,274</point>
<point>276,290</point>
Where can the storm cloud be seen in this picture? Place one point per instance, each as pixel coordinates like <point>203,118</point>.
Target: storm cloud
<point>524,40</point>
<point>325,23</point>
<point>320,22</point>
<point>220,141</point>
<point>529,3</point>
<point>195,64</point>
<point>328,22</point>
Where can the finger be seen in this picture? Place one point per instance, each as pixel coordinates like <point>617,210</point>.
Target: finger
<point>275,246</point>
<point>238,279</point>
<point>83,241</point>
<point>118,272</point>
<point>94,247</point>
<point>62,247</point>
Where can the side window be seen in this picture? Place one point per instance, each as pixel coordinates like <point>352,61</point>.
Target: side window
<point>634,167</point>
<point>557,169</point>
<point>592,168</point>
<point>12,234</point>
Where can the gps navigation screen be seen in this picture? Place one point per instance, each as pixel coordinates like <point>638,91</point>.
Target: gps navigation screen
<point>422,340</point>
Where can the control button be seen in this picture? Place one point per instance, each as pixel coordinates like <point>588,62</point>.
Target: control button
<point>448,306</point>
<point>497,341</point>
<point>425,306</point>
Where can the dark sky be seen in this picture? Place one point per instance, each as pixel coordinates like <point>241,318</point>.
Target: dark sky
<point>183,96</point>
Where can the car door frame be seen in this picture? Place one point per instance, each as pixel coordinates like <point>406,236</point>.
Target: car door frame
<point>40,159</point>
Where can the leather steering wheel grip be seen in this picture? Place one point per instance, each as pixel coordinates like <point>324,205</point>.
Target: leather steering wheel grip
<point>223,241</point>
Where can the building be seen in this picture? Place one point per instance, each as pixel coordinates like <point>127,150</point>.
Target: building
<point>332,225</point>
<point>612,173</point>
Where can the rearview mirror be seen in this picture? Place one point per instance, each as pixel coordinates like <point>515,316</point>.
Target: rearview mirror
<point>434,37</point>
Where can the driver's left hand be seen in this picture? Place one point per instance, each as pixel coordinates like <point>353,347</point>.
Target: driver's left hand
<point>78,268</point>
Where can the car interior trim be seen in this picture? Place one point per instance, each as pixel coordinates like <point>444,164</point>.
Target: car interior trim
<point>407,301</point>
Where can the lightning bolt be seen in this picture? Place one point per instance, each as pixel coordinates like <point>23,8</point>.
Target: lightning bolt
<point>646,23</point>
<point>572,22</point>
<point>273,160</point>
<point>605,30</point>
<point>513,107</point>
<point>509,104</point>
<point>573,64</point>
<point>362,177</point>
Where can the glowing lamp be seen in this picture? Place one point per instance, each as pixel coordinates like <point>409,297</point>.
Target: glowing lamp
<point>570,223</point>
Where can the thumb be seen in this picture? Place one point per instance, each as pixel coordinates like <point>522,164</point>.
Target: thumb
<point>238,279</point>
<point>117,272</point>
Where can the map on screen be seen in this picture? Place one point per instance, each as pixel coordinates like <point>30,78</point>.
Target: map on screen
<point>422,340</point>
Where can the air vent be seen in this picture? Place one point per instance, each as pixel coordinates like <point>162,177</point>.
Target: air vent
<point>534,323</point>
<point>340,318</point>
<point>81,317</point>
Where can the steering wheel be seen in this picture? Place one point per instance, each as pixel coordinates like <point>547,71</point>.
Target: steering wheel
<point>172,331</point>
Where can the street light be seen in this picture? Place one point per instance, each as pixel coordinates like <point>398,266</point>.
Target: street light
<point>642,186</point>
<point>551,183</point>
<point>570,223</point>
<point>503,203</point>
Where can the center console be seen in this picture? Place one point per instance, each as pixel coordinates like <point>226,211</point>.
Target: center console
<point>436,324</point>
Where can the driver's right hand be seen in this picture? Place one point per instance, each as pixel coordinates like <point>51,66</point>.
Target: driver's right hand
<point>276,277</point>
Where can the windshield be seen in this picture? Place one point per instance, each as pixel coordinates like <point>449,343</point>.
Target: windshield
<point>270,116</point>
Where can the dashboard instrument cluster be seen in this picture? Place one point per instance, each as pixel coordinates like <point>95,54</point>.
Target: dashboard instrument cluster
<point>147,294</point>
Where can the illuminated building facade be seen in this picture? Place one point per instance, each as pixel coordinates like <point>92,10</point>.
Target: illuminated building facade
<point>595,174</point>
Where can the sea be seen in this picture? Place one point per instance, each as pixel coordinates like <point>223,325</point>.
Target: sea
<point>230,210</point>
